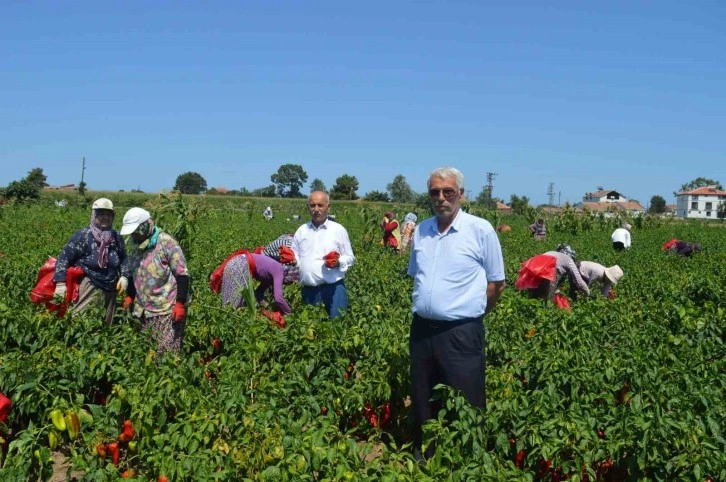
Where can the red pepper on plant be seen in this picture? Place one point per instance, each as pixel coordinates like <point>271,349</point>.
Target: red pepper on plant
<point>113,449</point>
<point>128,433</point>
<point>102,450</point>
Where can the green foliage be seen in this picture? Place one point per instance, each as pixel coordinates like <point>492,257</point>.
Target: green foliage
<point>627,389</point>
<point>657,205</point>
<point>37,177</point>
<point>400,190</point>
<point>22,190</point>
<point>377,196</point>
<point>345,187</point>
<point>269,191</point>
<point>317,185</point>
<point>519,205</point>
<point>289,179</point>
<point>701,182</point>
<point>190,183</point>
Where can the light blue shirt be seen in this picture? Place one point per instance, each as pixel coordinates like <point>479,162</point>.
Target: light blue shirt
<point>451,270</point>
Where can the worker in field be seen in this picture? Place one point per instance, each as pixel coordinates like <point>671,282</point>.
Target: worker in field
<point>292,272</point>
<point>321,250</point>
<point>458,277</point>
<point>391,231</point>
<point>542,275</point>
<point>621,237</point>
<point>592,273</point>
<point>538,229</point>
<point>683,248</point>
<point>157,292</point>
<point>99,251</point>
<point>407,229</point>
<point>240,269</point>
<point>267,213</point>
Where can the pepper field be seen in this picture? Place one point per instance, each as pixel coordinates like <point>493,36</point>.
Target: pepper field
<point>628,389</point>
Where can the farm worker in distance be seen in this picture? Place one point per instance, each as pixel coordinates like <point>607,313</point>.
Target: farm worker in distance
<point>391,231</point>
<point>592,272</point>
<point>292,273</point>
<point>458,275</point>
<point>407,229</point>
<point>621,237</point>
<point>267,213</point>
<point>99,251</point>
<point>684,248</point>
<point>158,292</point>
<point>538,229</point>
<point>322,251</point>
<point>239,272</point>
<point>565,266</point>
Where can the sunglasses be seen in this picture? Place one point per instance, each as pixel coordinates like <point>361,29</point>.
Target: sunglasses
<point>448,193</point>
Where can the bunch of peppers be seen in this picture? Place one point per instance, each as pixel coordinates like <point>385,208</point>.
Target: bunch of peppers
<point>69,423</point>
<point>127,435</point>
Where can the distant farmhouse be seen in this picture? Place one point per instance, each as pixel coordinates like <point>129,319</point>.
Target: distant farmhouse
<point>609,202</point>
<point>700,203</point>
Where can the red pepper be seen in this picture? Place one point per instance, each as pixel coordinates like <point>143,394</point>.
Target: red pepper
<point>385,413</point>
<point>519,459</point>
<point>128,474</point>
<point>5,405</point>
<point>129,432</point>
<point>115,454</point>
<point>162,478</point>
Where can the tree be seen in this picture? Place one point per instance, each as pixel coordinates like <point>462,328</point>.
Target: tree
<point>485,198</point>
<point>190,183</point>
<point>400,190</point>
<point>518,204</point>
<point>37,177</point>
<point>269,191</point>
<point>289,179</point>
<point>317,185</point>
<point>657,205</point>
<point>701,182</point>
<point>377,196</point>
<point>345,188</point>
<point>721,210</point>
<point>22,190</point>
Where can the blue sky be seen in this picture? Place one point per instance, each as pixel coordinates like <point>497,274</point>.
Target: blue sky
<point>620,94</point>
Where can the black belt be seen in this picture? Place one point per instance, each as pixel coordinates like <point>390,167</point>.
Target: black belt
<point>444,324</point>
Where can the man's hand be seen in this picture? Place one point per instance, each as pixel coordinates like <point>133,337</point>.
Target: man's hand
<point>122,284</point>
<point>179,312</point>
<point>59,295</point>
<point>332,259</point>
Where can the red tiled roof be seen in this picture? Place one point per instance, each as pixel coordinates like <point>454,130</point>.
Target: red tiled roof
<point>601,193</point>
<point>705,190</point>
<point>503,207</point>
<point>222,190</point>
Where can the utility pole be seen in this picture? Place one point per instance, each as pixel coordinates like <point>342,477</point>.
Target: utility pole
<point>82,185</point>
<point>551,193</point>
<point>490,188</point>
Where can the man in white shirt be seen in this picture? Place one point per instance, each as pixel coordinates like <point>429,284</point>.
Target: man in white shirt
<point>322,250</point>
<point>621,237</point>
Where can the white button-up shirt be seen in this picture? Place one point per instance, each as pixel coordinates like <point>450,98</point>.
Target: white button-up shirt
<point>312,243</point>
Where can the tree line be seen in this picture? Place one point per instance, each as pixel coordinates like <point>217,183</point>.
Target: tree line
<point>289,180</point>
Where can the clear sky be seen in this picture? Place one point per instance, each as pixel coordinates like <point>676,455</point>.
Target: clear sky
<point>627,95</point>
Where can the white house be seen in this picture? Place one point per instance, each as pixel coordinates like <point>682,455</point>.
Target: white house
<point>700,203</point>
<point>609,202</point>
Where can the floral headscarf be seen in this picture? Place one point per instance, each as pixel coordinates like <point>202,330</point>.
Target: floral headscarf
<point>104,237</point>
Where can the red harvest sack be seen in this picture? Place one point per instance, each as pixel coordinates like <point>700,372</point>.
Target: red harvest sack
<point>275,316</point>
<point>667,245</point>
<point>45,287</point>
<point>534,270</point>
<point>5,406</point>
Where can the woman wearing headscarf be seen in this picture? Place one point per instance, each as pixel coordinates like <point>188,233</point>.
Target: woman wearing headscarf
<point>592,273</point>
<point>407,229</point>
<point>391,231</point>
<point>543,274</point>
<point>99,251</point>
<point>159,287</point>
<point>292,271</point>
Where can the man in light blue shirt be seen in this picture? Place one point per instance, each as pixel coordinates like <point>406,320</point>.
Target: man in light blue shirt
<point>458,272</point>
